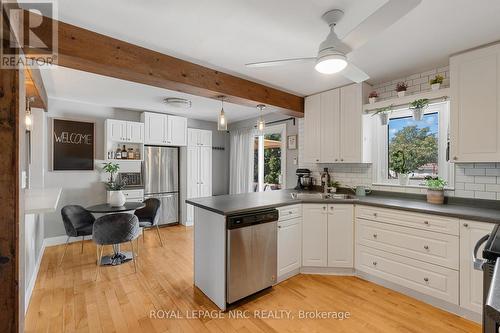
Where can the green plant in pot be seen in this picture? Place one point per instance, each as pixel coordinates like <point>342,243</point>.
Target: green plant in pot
<point>384,114</point>
<point>333,185</point>
<point>115,196</point>
<point>399,165</point>
<point>436,82</point>
<point>417,107</point>
<point>435,189</point>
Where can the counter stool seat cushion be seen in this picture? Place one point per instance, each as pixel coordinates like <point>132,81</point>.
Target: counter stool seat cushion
<point>115,229</point>
<point>77,221</point>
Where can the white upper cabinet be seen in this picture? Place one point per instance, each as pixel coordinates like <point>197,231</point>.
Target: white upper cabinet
<point>312,133</point>
<point>475,105</point>
<point>199,137</point>
<point>341,236</point>
<point>164,130</point>
<point>124,131</point>
<point>333,126</point>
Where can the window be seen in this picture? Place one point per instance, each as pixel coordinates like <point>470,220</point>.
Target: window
<point>270,159</point>
<point>422,144</point>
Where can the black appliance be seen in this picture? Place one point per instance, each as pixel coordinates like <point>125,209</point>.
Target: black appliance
<point>491,281</point>
<point>304,180</point>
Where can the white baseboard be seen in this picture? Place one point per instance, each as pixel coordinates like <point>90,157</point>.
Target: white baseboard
<point>31,285</point>
<point>288,275</point>
<point>327,270</point>
<point>58,240</point>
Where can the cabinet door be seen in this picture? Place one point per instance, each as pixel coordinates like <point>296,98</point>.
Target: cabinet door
<point>135,132</point>
<point>289,246</point>
<point>205,138</point>
<point>176,131</point>
<point>341,236</point>
<point>154,128</point>
<point>475,105</point>
<point>116,130</point>
<point>471,280</point>
<point>329,126</point>
<point>351,127</point>
<point>312,133</point>
<point>193,137</point>
<point>193,174</point>
<point>205,171</point>
<point>314,235</point>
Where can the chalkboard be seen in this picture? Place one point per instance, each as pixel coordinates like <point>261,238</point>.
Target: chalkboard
<point>72,145</point>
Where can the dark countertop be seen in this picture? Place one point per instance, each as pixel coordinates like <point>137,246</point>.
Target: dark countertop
<point>473,209</point>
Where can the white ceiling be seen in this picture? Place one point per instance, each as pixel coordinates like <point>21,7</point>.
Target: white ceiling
<point>226,34</point>
<point>64,83</point>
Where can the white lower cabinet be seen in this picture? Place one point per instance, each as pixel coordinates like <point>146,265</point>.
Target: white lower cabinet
<point>289,247</point>
<point>314,235</point>
<point>471,280</point>
<point>341,236</point>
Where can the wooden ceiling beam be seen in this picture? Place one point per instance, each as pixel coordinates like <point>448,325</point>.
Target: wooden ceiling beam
<point>89,51</point>
<point>35,88</point>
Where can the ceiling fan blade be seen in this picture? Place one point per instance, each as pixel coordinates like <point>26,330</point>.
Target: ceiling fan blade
<point>380,20</point>
<point>278,62</point>
<point>355,74</point>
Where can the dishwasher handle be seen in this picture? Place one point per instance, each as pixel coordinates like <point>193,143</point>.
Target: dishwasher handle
<point>479,262</point>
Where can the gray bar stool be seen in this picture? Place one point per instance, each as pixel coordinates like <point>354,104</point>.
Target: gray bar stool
<point>149,216</point>
<point>78,222</point>
<point>115,229</point>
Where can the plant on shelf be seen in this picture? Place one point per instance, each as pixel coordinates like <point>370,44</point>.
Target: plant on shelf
<point>115,196</point>
<point>401,88</point>
<point>333,185</point>
<point>436,82</point>
<point>418,106</point>
<point>435,189</point>
<point>372,98</point>
<point>398,164</point>
<point>383,114</point>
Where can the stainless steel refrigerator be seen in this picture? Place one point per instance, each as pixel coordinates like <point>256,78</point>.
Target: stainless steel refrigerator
<point>161,180</point>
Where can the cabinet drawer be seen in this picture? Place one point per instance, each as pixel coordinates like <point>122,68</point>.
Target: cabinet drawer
<point>426,278</point>
<point>290,212</point>
<point>446,225</point>
<point>422,245</point>
<point>133,193</point>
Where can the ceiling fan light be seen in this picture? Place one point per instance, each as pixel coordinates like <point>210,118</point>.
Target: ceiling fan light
<point>331,64</point>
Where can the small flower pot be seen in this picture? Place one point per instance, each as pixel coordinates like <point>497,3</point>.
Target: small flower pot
<point>435,86</point>
<point>404,179</point>
<point>401,93</point>
<point>116,198</point>
<point>417,114</point>
<point>435,196</point>
<point>372,100</point>
<point>384,118</point>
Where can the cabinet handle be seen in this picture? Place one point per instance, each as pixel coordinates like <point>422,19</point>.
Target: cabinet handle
<point>455,158</point>
<point>466,225</point>
<point>426,247</point>
<point>426,222</point>
<point>336,159</point>
<point>341,160</point>
<point>324,207</point>
<point>289,213</point>
<point>374,235</point>
<point>375,214</point>
<point>279,227</point>
<point>331,207</point>
<point>374,263</point>
<point>426,279</point>
<point>317,160</point>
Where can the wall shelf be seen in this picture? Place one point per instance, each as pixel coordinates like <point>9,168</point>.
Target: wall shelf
<point>443,93</point>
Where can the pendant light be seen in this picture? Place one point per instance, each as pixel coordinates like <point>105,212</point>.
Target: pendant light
<point>261,124</point>
<point>222,121</point>
<point>28,120</point>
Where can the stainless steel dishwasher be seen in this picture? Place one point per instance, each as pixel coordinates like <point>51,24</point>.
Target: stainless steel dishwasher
<point>251,253</point>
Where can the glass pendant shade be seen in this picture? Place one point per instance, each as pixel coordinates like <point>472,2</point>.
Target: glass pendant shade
<point>261,124</point>
<point>222,122</point>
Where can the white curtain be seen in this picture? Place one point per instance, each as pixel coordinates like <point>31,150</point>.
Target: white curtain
<point>241,161</point>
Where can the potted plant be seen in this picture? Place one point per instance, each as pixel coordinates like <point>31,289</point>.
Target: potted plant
<point>436,82</point>
<point>115,196</point>
<point>372,98</point>
<point>383,114</point>
<point>401,88</point>
<point>400,166</point>
<point>435,190</point>
<point>333,185</point>
<point>417,107</point>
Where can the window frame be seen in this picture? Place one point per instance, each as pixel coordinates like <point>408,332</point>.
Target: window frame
<point>279,128</point>
<point>381,146</point>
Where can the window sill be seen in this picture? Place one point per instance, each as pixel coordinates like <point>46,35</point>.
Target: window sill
<point>422,187</point>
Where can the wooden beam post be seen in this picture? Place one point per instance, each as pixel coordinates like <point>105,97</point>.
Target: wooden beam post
<point>35,88</point>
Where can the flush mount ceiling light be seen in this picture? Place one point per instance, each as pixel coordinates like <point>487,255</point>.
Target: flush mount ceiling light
<point>222,121</point>
<point>261,124</point>
<point>177,102</point>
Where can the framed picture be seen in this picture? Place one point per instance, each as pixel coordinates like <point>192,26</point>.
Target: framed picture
<point>292,142</point>
<point>72,145</point>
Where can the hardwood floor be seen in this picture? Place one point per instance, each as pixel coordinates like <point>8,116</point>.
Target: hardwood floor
<point>67,299</point>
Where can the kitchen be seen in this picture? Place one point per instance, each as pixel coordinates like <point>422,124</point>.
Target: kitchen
<point>353,190</point>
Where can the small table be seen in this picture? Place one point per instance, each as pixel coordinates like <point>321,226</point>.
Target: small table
<point>118,257</point>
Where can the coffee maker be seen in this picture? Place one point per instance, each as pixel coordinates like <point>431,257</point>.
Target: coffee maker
<point>304,180</point>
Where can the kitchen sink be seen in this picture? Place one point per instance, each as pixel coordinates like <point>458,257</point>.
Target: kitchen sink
<point>325,196</point>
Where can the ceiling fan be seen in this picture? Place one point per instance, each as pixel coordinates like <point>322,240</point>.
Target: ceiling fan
<point>333,54</point>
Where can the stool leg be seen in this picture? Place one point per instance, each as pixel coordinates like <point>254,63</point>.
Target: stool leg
<point>99,257</point>
<point>83,238</point>
<point>133,256</point>
<point>159,236</point>
<point>64,252</point>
